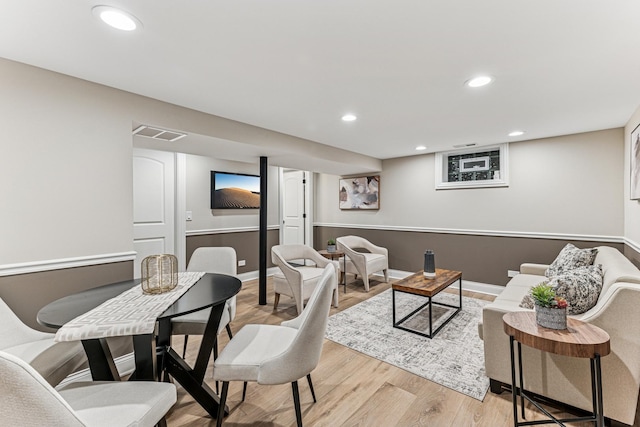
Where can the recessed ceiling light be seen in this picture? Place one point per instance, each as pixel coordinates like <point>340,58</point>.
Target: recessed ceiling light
<point>516,133</point>
<point>348,118</point>
<point>116,18</point>
<point>421,148</point>
<point>479,81</point>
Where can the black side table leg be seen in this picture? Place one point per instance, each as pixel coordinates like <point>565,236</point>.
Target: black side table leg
<point>600,415</point>
<point>514,393</point>
<point>521,380</point>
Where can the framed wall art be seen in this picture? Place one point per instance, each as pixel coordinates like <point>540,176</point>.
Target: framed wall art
<point>634,190</point>
<point>362,192</point>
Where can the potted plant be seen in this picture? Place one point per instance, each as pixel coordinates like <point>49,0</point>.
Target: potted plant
<point>331,245</point>
<point>551,310</point>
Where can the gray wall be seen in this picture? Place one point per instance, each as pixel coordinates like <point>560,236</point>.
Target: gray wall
<point>483,259</point>
<point>631,207</point>
<point>198,196</point>
<point>562,189</point>
<point>245,244</point>
<point>569,185</point>
<point>66,169</point>
<point>27,293</point>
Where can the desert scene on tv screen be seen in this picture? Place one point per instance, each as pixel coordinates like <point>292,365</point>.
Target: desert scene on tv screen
<point>236,198</point>
<point>236,192</point>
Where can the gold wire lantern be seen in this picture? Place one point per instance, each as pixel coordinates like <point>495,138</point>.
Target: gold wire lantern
<point>159,274</point>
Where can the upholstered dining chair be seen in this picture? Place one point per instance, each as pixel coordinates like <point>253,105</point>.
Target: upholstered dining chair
<point>29,400</point>
<point>278,354</point>
<point>54,361</point>
<point>298,281</point>
<point>220,260</point>
<point>363,263</point>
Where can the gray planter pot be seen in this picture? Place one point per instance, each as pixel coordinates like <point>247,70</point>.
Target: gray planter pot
<point>552,318</point>
<point>331,248</point>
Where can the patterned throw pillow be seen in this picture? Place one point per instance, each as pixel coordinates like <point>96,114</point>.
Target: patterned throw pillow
<point>527,301</point>
<point>569,258</point>
<point>581,288</point>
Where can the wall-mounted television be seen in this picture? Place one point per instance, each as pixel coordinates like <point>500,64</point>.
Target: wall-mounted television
<point>234,191</point>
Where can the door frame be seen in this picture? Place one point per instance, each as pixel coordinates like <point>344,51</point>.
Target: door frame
<point>180,215</point>
<point>308,205</point>
<point>179,206</point>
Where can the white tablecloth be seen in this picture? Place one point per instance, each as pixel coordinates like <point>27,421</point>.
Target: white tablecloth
<point>130,313</point>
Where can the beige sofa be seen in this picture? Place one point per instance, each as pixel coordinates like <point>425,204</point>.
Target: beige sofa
<point>567,379</point>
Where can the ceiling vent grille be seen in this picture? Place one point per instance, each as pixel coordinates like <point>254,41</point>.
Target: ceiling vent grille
<point>465,145</point>
<point>157,133</point>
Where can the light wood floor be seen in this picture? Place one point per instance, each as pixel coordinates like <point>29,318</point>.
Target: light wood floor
<point>352,389</point>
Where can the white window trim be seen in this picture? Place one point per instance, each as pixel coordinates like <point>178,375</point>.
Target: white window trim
<point>441,169</point>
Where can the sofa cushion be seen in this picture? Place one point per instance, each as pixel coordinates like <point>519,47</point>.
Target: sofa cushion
<point>581,288</point>
<point>569,258</point>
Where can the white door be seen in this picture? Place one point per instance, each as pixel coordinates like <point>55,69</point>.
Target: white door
<point>293,208</point>
<point>153,204</point>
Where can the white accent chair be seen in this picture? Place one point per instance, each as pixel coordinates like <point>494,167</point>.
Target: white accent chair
<point>222,260</point>
<point>299,281</point>
<point>363,263</point>
<point>278,354</point>
<point>28,400</point>
<point>54,361</point>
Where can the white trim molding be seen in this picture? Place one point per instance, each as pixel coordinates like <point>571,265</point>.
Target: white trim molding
<point>228,230</point>
<point>254,275</point>
<point>467,285</point>
<point>494,233</point>
<point>59,264</point>
<point>633,245</point>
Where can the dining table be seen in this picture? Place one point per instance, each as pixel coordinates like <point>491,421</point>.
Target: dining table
<point>153,354</point>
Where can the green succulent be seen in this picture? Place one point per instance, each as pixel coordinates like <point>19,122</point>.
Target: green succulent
<point>331,242</point>
<point>543,295</point>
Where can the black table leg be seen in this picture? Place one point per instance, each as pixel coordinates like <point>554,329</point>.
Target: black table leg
<point>344,265</point>
<point>144,352</point>
<point>514,390</point>
<point>393,305</point>
<point>192,379</point>
<point>600,414</point>
<point>101,363</point>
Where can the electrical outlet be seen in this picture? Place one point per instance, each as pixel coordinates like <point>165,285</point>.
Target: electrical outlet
<point>512,273</point>
<point>242,263</point>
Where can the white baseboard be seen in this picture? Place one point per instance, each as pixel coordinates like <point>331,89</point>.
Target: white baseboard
<point>467,285</point>
<point>253,275</point>
<point>125,364</point>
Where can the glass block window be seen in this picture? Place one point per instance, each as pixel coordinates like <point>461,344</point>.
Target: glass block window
<point>478,167</point>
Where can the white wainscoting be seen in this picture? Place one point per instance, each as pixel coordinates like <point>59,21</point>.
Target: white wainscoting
<point>496,233</point>
<point>58,264</point>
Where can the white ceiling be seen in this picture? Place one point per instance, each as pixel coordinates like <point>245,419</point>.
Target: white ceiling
<point>296,66</point>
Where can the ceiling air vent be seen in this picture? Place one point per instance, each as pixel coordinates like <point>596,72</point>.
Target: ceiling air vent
<point>156,133</point>
<point>465,145</point>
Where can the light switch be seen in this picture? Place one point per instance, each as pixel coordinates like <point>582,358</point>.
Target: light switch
<point>189,216</point>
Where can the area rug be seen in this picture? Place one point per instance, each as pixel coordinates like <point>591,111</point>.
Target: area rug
<point>454,358</point>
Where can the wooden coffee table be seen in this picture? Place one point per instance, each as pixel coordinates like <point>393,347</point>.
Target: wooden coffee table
<point>417,284</point>
<point>580,339</point>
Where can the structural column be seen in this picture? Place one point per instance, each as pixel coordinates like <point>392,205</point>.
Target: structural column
<point>262,283</point>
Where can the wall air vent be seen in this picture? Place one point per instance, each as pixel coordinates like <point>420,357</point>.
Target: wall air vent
<point>473,144</point>
<point>156,133</point>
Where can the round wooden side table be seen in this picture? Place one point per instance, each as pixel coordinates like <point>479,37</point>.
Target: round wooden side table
<point>580,339</point>
<point>335,255</point>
